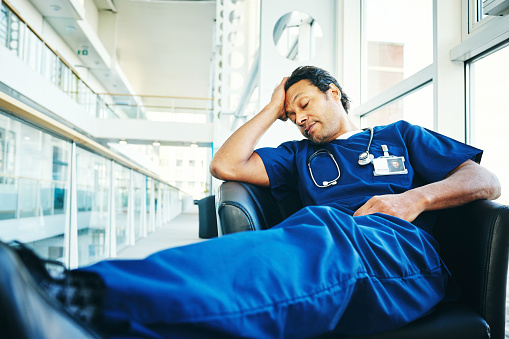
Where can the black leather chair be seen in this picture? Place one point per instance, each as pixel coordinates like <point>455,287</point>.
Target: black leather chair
<point>474,242</point>
<point>207,217</point>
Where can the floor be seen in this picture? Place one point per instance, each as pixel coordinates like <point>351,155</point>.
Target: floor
<point>183,230</point>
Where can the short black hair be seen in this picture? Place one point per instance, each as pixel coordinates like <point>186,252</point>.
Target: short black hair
<point>319,78</point>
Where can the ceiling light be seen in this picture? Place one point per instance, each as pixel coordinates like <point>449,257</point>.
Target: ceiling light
<point>54,8</point>
<point>70,28</point>
<point>194,145</point>
<point>122,142</point>
<point>27,138</point>
<point>156,144</point>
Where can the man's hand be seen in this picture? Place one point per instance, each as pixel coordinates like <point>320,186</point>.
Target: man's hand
<point>406,206</point>
<point>278,99</point>
<point>236,159</point>
<point>467,182</point>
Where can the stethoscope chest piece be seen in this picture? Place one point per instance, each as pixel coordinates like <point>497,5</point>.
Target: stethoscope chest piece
<point>365,158</point>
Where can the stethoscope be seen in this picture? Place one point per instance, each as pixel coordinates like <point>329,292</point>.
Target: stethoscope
<point>364,159</point>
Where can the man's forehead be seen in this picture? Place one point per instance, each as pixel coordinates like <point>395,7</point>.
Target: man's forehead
<point>298,89</point>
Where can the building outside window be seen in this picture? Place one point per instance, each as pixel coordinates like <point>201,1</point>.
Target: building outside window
<point>397,44</point>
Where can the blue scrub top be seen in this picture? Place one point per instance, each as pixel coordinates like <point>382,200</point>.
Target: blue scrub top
<point>429,157</point>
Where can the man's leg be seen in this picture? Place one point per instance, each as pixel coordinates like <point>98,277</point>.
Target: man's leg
<point>319,270</point>
<point>295,280</point>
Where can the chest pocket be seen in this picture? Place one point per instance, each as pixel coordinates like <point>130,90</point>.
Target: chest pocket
<point>396,179</point>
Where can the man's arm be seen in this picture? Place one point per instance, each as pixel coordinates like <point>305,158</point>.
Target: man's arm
<point>466,183</point>
<point>236,160</point>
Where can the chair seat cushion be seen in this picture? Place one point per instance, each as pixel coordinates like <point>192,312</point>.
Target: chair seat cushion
<point>447,321</point>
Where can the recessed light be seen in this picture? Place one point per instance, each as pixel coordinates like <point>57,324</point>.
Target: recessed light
<point>70,28</point>
<point>122,142</point>
<point>194,145</point>
<point>156,144</point>
<point>54,8</point>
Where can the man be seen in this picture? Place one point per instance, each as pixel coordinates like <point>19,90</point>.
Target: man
<point>357,259</point>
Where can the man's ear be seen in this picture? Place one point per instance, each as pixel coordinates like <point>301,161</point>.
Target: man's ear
<point>335,92</point>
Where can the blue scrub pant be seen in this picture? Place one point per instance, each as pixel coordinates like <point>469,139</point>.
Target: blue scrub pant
<point>320,270</point>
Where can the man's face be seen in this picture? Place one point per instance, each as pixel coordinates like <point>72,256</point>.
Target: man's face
<point>316,114</point>
<point>395,163</point>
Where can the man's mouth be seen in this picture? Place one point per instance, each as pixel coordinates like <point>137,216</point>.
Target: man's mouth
<point>309,128</point>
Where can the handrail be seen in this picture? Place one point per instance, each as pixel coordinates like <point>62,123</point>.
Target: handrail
<point>154,96</point>
<point>13,10</point>
<point>24,111</point>
<point>159,106</point>
<point>6,175</point>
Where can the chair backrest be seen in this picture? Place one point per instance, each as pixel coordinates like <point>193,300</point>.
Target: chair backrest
<point>474,244</point>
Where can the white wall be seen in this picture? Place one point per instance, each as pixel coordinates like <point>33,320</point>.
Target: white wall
<point>273,66</point>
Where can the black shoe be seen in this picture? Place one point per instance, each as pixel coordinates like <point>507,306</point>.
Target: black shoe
<point>26,308</point>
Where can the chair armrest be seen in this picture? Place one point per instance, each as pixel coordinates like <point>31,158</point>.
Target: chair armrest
<point>245,207</point>
<point>474,241</point>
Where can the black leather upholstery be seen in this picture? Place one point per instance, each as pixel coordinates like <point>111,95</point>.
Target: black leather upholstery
<point>474,241</point>
<point>207,217</point>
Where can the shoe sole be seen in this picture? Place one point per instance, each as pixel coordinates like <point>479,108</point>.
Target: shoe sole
<point>26,311</point>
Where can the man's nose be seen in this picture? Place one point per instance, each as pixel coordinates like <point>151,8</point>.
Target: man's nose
<point>300,118</point>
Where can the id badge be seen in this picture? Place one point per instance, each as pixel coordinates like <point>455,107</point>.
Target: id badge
<point>390,165</point>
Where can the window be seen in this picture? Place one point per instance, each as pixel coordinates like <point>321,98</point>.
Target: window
<point>416,108</point>
<point>489,117</point>
<point>397,44</point>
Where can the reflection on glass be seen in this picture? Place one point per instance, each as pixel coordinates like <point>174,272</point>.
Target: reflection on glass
<point>416,108</point>
<point>490,117</point>
<point>297,36</point>
<point>93,173</point>
<point>32,208</point>
<point>393,53</point>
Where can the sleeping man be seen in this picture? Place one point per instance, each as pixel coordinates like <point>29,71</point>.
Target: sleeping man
<point>359,257</point>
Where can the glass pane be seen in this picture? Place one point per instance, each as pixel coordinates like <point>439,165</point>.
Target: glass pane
<point>490,117</point>
<point>14,33</point>
<point>398,43</point>
<point>121,176</point>
<point>138,196</point>
<point>33,51</point>
<point>416,108</point>
<point>3,25</point>
<point>33,197</point>
<point>93,173</point>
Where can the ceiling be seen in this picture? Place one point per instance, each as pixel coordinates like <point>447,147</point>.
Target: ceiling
<point>165,47</point>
